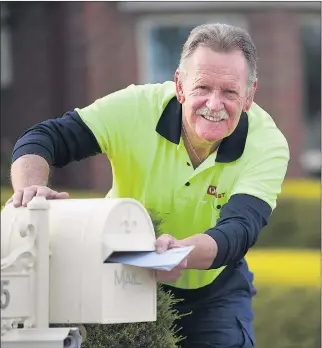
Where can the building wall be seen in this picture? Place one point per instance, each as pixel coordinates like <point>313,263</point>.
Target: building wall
<point>68,54</point>
<point>280,92</point>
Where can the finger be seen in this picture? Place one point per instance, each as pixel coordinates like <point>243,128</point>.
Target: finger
<point>28,194</point>
<point>175,244</point>
<point>61,195</point>
<point>46,192</point>
<point>17,198</point>
<point>163,243</point>
<point>51,194</point>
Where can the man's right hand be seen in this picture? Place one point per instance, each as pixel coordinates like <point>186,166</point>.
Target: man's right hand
<point>24,196</point>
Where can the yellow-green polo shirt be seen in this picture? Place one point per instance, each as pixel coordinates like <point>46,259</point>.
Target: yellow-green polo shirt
<point>139,129</point>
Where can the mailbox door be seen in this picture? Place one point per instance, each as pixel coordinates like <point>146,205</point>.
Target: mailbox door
<point>128,294</point>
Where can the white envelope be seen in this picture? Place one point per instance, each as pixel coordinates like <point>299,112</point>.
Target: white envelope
<point>165,261</point>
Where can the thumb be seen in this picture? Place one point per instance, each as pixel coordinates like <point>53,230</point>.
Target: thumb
<point>163,243</point>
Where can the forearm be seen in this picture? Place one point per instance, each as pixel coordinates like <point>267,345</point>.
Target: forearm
<point>236,231</point>
<point>29,170</point>
<point>238,228</point>
<point>204,253</point>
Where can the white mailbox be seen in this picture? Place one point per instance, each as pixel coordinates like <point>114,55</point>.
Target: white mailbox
<point>83,287</point>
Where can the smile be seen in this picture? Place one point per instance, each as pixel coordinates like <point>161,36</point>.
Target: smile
<point>214,118</point>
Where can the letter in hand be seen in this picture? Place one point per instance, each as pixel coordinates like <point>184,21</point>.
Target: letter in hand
<point>163,243</point>
<point>24,196</point>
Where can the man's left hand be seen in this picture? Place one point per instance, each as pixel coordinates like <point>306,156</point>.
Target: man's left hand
<point>163,243</point>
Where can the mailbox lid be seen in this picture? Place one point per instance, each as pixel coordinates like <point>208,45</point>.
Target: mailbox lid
<point>128,227</point>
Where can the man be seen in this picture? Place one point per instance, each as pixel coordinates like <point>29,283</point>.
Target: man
<point>199,153</point>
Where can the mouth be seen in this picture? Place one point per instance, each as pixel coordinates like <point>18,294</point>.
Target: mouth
<point>214,118</point>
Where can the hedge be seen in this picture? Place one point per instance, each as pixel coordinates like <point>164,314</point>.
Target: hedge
<point>295,223</point>
<point>287,317</point>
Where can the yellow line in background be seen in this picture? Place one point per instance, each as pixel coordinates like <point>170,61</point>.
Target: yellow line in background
<point>285,267</point>
<point>301,188</point>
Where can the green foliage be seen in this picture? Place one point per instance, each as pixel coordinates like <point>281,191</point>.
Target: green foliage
<point>287,317</point>
<point>295,223</point>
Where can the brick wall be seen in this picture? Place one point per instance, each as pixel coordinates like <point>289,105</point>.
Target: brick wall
<point>111,64</point>
<point>276,35</point>
<point>66,55</point>
<point>99,46</point>
<point>21,103</point>
<point>28,99</point>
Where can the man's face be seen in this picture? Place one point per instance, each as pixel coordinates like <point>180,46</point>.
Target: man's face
<point>213,93</point>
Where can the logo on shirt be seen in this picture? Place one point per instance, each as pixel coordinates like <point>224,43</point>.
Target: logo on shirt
<point>212,191</point>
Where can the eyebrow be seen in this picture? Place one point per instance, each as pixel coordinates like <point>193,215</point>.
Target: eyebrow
<point>206,80</point>
<point>232,86</point>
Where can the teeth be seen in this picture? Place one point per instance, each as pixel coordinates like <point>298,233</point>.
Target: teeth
<point>211,118</point>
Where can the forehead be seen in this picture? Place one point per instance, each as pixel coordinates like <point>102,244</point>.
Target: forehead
<point>205,63</point>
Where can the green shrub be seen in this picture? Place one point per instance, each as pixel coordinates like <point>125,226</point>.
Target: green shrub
<point>295,223</point>
<point>287,317</point>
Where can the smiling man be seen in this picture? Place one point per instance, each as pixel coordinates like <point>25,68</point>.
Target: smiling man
<point>200,154</point>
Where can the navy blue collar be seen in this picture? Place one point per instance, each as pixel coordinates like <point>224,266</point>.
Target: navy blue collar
<point>230,149</point>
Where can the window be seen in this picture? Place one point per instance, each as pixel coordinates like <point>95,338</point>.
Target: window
<point>311,59</point>
<point>160,40</point>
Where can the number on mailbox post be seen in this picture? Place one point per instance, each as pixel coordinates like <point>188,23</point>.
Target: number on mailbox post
<point>5,294</point>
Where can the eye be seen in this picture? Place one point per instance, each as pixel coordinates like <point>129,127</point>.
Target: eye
<point>230,91</point>
<point>202,87</point>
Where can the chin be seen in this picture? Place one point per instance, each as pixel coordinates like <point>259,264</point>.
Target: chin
<point>212,138</point>
<point>213,132</point>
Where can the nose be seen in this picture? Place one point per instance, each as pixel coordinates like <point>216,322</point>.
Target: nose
<point>214,103</point>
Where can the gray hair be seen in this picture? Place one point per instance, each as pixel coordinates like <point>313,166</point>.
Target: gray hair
<point>221,38</point>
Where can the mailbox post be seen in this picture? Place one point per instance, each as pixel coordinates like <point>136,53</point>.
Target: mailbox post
<point>25,286</point>
<point>54,269</point>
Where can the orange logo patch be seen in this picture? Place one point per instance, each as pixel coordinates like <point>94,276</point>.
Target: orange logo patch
<point>212,190</point>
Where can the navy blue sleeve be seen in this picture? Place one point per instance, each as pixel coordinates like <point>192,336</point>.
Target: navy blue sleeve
<point>59,141</point>
<point>238,227</point>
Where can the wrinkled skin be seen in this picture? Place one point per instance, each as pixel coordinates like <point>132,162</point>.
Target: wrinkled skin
<point>217,82</point>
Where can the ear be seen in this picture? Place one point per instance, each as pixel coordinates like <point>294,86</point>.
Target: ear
<point>179,90</point>
<point>250,98</point>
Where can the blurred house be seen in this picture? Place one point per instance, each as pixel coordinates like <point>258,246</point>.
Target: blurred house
<point>56,56</point>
